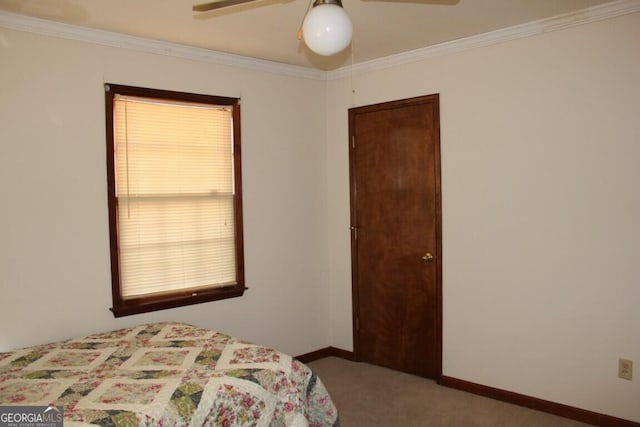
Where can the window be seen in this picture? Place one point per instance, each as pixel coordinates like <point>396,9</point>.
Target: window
<point>175,203</point>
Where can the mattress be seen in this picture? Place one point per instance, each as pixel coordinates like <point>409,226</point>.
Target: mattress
<point>170,374</point>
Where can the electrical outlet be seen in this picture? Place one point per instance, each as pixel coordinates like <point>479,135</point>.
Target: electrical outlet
<point>625,369</point>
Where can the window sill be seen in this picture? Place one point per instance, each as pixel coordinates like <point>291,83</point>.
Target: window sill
<point>149,304</point>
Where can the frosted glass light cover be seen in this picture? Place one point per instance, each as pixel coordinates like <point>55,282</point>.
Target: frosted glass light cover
<point>327,29</point>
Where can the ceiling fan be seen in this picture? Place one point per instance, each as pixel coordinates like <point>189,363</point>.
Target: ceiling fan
<point>326,28</point>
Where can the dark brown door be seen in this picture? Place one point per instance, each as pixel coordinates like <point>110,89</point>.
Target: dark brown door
<point>396,235</point>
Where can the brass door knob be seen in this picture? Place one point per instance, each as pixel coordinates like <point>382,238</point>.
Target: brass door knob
<point>428,257</point>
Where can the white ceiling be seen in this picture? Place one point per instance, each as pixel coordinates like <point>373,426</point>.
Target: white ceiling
<point>266,29</point>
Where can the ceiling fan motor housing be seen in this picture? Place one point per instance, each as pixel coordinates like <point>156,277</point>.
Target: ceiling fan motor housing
<point>319,2</point>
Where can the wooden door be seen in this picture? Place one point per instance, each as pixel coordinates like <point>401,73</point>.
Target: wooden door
<point>396,235</point>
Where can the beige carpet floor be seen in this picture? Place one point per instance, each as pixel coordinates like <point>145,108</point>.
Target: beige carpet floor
<point>371,396</point>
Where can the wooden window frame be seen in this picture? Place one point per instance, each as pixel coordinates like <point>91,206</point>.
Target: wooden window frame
<point>124,307</point>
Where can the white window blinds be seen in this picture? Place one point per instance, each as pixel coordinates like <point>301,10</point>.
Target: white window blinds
<point>174,192</point>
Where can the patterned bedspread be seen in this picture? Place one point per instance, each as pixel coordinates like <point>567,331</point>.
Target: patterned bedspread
<point>169,374</point>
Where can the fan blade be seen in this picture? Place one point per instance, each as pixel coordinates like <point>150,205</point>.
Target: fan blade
<point>217,4</point>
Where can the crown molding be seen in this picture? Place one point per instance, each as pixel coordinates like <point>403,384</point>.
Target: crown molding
<point>106,38</point>
<point>556,23</point>
<point>29,24</point>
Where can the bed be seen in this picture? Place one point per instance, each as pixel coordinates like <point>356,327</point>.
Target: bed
<point>170,374</point>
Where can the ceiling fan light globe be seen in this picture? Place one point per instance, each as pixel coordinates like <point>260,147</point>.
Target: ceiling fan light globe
<point>327,29</point>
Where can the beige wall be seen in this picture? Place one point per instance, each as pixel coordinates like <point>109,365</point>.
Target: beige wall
<point>54,250</point>
<point>540,146</point>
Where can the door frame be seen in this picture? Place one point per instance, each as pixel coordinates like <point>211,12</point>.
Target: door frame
<point>434,98</point>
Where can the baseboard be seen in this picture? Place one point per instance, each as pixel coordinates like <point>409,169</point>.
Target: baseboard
<point>326,352</point>
<point>559,409</point>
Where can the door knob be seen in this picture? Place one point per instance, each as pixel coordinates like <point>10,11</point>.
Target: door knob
<point>428,257</point>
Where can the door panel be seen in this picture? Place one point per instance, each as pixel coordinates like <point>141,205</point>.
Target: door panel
<point>395,217</point>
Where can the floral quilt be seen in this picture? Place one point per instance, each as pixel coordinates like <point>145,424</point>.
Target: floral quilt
<point>169,374</point>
